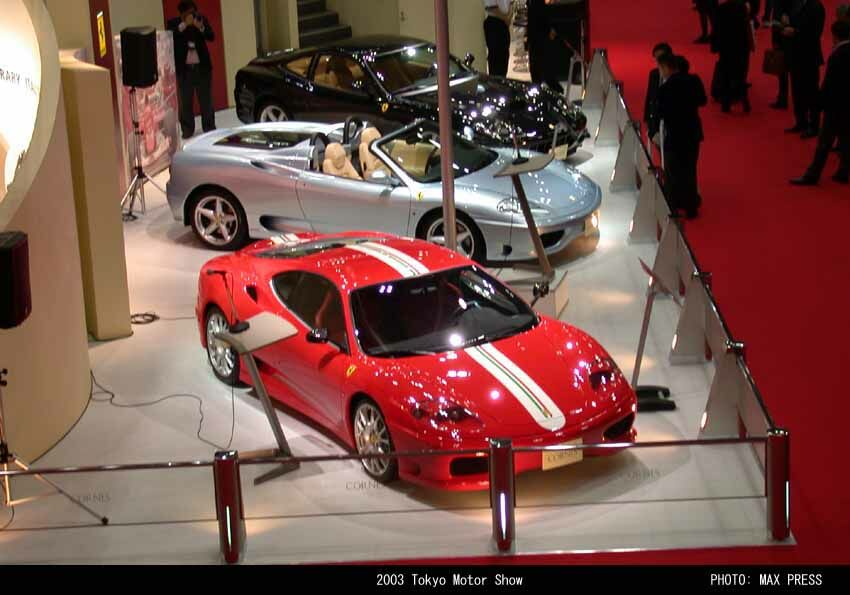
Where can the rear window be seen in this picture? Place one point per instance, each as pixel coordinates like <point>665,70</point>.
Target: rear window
<point>299,66</point>
<point>263,139</point>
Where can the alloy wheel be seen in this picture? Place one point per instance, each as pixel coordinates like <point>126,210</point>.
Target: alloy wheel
<point>465,238</point>
<point>273,113</point>
<point>372,437</point>
<point>216,220</point>
<point>222,357</point>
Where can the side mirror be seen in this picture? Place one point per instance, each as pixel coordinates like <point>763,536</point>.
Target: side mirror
<point>318,336</point>
<point>381,177</point>
<point>468,60</point>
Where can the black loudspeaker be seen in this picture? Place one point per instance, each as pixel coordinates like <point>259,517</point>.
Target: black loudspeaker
<point>15,301</point>
<point>138,57</point>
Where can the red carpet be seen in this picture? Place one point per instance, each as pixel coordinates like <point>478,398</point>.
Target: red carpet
<point>781,272</point>
<point>779,258</point>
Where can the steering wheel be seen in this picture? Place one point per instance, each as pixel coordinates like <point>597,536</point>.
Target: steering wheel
<point>348,132</point>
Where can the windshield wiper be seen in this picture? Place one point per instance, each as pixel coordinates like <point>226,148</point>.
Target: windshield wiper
<point>402,353</point>
<point>510,332</point>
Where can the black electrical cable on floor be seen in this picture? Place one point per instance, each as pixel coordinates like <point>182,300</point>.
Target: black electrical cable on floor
<point>112,396</point>
<point>9,523</point>
<point>144,318</point>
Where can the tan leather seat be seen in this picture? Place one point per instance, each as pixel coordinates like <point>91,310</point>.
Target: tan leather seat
<point>368,162</point>
<point>337,163</point>
<point>413,158</point>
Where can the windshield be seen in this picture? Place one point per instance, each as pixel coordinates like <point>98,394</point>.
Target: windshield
<point>445,311</point>
<point>410,68</point>
<point>417,151</point>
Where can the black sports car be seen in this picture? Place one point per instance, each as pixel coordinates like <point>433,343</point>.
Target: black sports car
<point>391,81</point>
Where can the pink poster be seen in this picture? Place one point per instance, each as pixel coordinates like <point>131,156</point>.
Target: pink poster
<point>156,108</point>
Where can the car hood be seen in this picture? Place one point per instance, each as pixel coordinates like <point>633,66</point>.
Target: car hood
<point>558,192</point>
<point>492,102</point>
<point>529,385</point>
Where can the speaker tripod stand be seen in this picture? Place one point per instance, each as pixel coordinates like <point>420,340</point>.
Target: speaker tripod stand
<point>136,190</point>
<point>10,459</point>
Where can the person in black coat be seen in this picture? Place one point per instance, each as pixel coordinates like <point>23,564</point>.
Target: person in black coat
<point>650,109</point>
<point>706,10</point>
<point>805,31</point>
<point>834,99</point>
<point>679,100</point>
<point>778,14</point>
<point>731,39</point>
<point>193,66</point>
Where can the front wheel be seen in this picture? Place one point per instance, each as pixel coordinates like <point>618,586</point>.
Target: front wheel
<point>470,240</point>
<point>219,220</point>
<point>372,436</point>
<point>272,112</point>
<point>224,361</point>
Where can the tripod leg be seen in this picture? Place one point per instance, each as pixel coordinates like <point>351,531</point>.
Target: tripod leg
<point>41,478</point>
<point>154,183</point>
<point>130,189</point>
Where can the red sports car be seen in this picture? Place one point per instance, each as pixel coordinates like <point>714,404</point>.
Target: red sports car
<point>406,346</point>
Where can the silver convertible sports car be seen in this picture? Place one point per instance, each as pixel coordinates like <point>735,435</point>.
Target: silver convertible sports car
<point>271,178</point>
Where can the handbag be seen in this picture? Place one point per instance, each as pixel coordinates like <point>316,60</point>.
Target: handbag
<point>774,62</point>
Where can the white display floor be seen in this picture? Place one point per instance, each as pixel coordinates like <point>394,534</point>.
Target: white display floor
<point>648,498</point>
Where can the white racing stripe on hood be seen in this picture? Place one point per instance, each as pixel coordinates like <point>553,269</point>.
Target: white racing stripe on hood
<point>533,398</point>
<point>403,264</point>
<point>287,239</point>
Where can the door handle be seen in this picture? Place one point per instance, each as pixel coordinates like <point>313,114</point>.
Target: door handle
<point>259,164</point>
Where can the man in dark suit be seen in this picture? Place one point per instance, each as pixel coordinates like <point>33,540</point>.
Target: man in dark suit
<point>778,13</point>
<point>806,57</point>
<point>650,109</point>
<point>679,100</point>
<point>706,10</point>
<point>731,40</point>
<point>834,99</point>
<point>193,66</point>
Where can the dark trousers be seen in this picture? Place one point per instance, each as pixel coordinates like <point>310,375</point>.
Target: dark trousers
<point>826,140</point>
<point>195,80</point>
<point>498,38</point>
<point>782,95</point>
<point>804,91</point>
<point>537,57</point>
<point>680,177</point>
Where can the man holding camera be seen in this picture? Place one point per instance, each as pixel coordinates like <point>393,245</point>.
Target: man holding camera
<point>193,65</point>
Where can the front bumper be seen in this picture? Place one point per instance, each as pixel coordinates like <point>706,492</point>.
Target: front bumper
<point>502,237</point>
<point>466,473</point>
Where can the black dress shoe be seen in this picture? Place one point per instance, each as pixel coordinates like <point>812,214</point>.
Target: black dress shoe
<point>804,181</point>
<point>809,133</point>
<point>841,178</point>
<point>795,129</point>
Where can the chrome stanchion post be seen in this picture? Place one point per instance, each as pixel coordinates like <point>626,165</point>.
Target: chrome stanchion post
<point>228,505</point>
<point>778,479</point>
<point>502,492</point>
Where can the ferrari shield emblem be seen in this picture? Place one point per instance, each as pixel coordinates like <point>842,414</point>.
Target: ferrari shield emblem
<point>420,196</point>
<point>350,371</point>
<point>385,107</point>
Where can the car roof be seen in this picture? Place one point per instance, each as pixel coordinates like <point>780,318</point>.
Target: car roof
<point>352,260</point>
<point>354,45</point>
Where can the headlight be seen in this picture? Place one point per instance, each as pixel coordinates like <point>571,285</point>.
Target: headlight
<point>439,411</point>
<point>468,133</point>
<point>602,372</point>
